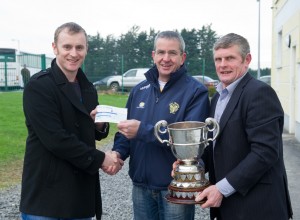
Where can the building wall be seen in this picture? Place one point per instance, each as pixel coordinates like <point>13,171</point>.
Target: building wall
<point>285,69</point>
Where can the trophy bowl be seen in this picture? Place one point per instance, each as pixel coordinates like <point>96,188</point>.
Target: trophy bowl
<point>187,140</point>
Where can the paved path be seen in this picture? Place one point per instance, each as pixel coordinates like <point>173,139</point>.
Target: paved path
<point>291,153</point>
<point>116,190</point>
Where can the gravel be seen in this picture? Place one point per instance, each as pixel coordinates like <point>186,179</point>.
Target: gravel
<point>116,198</point>
<point>9,203</point>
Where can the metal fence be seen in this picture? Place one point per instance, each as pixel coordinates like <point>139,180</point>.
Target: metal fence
<point>12,64</point>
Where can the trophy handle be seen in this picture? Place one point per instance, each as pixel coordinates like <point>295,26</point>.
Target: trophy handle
<point>157,130</point>
<point>212,121</point>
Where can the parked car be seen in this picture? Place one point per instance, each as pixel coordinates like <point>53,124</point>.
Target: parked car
<point>266,79</point>
<point>102,83</point>
<point>207,81</point>
<point>130,79</point>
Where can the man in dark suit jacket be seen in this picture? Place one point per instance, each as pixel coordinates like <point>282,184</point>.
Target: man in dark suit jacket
<point>245,163</point>
<point>61,165</point>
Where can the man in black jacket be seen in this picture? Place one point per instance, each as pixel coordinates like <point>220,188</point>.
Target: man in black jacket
<point>61,165</point>
<point>25,75</point>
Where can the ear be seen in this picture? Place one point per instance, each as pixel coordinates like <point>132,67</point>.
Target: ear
<point>153,54</point>
<point>54,48</point>
<point>183,57</point>
<point>248,58</point>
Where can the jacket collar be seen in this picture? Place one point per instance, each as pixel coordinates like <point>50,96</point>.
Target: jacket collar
<point>65,86</point>
<point>152,76</point>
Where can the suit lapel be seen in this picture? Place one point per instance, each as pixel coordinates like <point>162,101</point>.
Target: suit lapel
<point>214,104</point>
<point>69,92</point>
<point>232,102</point>
<point>66,87</point>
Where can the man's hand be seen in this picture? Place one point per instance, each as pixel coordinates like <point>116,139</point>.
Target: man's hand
<point>99,125</point>
<point>213,195</point>
<point>93,114</point>
<point>129,128</point>
<point>174,166</point>
<point>112,162</point>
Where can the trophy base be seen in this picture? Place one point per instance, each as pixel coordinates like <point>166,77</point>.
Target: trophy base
<point>180,195</point>
<point>171,199</point>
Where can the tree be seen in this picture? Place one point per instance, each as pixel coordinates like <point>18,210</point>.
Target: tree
<point>110,55</point>
<point>207,38</point>
<point>191,40</point>
<point>145,44</point>
<point>92,61</point>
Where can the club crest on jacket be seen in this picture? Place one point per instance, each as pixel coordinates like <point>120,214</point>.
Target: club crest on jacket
<point>173,107</point>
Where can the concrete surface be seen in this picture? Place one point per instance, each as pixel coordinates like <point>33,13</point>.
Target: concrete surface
<point>291,154</point>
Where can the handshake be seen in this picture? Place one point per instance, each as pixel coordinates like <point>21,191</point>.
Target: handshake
<point>112,162</point>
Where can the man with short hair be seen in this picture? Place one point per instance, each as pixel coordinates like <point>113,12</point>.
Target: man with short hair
<point>170,94</point>
<point>245,163</point>
<point>61,165</point>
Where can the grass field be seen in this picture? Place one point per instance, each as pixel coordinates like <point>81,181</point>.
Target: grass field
<point>13,133</point>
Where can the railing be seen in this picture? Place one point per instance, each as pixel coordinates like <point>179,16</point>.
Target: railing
<point>11,66</point>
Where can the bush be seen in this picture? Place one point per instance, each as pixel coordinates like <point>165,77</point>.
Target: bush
<point>211,91</point>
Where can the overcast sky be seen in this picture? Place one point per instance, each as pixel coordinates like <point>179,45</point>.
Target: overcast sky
<point>31,23</point>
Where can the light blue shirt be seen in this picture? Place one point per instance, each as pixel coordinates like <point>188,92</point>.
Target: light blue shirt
<point>225,94</point>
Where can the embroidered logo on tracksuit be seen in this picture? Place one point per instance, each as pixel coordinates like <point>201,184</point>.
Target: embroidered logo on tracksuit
<point>173,107</point>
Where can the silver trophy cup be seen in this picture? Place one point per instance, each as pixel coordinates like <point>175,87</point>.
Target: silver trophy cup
<point>187,140</point>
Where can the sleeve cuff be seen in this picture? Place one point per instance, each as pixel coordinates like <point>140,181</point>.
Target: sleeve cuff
<point>104,128</point>
<point>225,188</point>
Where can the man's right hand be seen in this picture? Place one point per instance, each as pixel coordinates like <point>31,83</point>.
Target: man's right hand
<point>213,195</point>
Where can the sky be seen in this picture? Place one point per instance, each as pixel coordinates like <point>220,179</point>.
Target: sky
<point>30,24</point>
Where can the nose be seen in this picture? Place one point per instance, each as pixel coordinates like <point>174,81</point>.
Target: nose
<point>73,51</point>
<point>223,62</point>
<point>166,57</point>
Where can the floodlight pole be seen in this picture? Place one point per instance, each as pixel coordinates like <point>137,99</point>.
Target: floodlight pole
<point>122,70</point>
<point>203,68</point>
<point>258,52</point>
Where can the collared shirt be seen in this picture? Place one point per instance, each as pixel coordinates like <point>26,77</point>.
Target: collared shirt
<point>225,94</point>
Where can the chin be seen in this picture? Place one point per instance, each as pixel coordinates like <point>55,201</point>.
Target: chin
<point>74,67</point>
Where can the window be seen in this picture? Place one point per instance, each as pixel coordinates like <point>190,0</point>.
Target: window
<point>7,55</point>
<point>131,73</point>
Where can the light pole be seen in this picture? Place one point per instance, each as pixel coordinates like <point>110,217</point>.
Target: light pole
<point>18,41</point>
<point>122,70</point>
<point>203,68</point>
<point>258,52</point>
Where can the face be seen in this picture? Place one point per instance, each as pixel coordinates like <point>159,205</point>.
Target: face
<point>167,57</point>
<point>70,51</point>
<point>229,64</point>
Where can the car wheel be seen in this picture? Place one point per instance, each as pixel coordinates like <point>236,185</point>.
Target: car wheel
<point>114,86</point>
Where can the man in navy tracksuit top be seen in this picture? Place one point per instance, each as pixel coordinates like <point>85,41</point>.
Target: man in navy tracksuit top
<point>170,94</point>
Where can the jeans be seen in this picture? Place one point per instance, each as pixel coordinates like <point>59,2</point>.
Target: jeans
<point>35,217</point>
<point>152,205</point>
